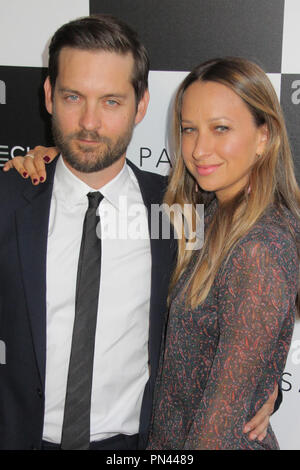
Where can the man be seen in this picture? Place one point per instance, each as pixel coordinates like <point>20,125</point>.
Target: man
<point>53,395</point>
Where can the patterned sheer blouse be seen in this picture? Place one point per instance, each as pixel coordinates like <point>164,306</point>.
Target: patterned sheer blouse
<point>222,360</point>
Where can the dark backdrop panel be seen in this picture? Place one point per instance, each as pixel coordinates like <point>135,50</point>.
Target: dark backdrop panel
<point>24,120</point>
<point>181,33</point>
<point>290,102</point>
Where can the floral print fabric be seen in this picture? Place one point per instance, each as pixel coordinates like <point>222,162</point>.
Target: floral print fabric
<point>222,360</point>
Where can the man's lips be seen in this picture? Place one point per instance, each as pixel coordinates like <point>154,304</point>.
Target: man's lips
<point>88,141</point>
<point>206,169</point>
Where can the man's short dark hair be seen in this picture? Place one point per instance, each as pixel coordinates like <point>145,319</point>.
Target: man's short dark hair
<point>104,33</point>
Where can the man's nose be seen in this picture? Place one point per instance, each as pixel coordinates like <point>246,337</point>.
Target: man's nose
<point>90,117</point>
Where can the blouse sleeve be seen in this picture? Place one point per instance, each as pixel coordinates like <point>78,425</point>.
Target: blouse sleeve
<point>256,315</point>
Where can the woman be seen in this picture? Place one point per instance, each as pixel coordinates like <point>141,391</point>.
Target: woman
<point>232,304</point>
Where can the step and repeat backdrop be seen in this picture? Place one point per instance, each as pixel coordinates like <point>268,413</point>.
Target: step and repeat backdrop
<point>178,34</point>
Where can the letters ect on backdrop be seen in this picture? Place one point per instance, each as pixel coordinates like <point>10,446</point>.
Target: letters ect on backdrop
<point>178,34</point>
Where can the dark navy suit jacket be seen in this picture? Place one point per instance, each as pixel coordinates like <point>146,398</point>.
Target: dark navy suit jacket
<point>23,248</point>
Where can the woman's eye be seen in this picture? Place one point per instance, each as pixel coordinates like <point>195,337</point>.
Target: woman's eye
<point>221,129</point>
<point>187,130</point>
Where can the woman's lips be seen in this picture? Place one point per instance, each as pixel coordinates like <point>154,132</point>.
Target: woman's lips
<point>206,169</point>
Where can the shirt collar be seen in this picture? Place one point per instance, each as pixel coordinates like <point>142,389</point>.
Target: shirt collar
<point>117,187</point>
<point>72,190</point>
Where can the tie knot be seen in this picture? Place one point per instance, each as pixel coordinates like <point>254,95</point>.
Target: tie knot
<point>94,199</point>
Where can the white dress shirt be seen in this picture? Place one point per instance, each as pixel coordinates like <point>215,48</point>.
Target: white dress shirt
<point>121,344</point>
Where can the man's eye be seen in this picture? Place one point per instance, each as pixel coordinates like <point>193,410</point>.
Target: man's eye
<point>72,98</point>
<point>111,102</point>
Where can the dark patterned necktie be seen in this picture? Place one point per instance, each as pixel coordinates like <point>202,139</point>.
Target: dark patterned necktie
<point>76,423</point>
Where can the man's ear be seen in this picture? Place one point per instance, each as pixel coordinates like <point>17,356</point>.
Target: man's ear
<point>142,107</point>
<point>48,95</point>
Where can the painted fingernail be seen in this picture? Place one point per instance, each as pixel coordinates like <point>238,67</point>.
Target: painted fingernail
<point>25,174</point>
<point>35,181</point>
<point>42,179</point>
<point>47,159</point>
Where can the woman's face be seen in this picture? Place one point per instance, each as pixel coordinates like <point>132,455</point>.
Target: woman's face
<point>220,140</point>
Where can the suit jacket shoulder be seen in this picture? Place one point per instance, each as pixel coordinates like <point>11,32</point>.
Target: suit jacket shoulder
<point>151,184</point>
<point>14,189</point>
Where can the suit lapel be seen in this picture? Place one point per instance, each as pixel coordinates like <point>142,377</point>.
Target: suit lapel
<point>32,234</point>
<point>162,260</point>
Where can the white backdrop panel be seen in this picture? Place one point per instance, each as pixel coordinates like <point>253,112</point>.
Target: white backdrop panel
<point>27,25</point>
<point>291,37</point>
<point>151,133</point>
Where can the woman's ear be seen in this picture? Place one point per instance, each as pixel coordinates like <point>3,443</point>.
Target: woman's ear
<point>263,139</point>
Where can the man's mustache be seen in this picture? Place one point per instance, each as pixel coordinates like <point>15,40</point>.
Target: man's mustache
<point>91,135</point>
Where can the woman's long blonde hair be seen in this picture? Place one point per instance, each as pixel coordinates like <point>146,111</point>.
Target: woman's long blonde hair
<point>272,179</point>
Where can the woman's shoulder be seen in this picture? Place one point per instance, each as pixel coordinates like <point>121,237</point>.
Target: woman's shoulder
<point>277,225</point>
<point>267,253</point>
<point>276,234</point>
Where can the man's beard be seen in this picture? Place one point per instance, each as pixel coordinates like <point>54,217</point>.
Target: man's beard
<point>85,159</point>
